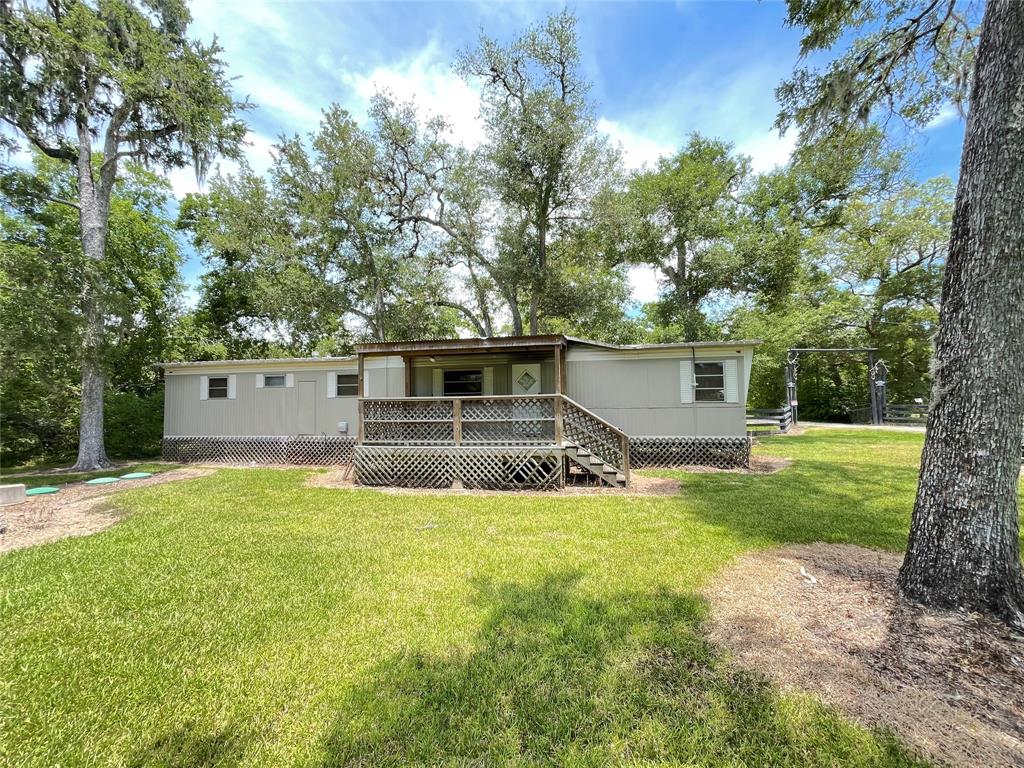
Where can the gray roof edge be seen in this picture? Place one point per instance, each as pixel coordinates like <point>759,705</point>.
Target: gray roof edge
<point>351,358</point>
<point>669,345</point>
<point>252,361</point>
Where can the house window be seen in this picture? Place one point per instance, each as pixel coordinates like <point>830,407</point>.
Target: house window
<point>217,388</point>
<point>347,385</point>
<point>275,380</point>
<point>710,379</point>
<point>457,383</point>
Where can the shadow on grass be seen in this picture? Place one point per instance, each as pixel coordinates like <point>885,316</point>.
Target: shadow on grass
<point>192,747</point>
<point>809,501</point>
<point>557,676</point>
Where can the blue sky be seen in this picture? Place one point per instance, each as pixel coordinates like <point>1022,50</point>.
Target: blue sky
<point>659,71</point>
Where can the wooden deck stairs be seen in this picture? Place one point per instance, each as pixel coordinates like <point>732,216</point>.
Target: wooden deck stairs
<point>596,466</point>
<point>594,444</point>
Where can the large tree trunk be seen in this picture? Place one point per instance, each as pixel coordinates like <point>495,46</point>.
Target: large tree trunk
<point>94,205</point>
<point>964,550</point>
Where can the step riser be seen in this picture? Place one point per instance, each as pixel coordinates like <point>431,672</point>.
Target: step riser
<point>606,473</point>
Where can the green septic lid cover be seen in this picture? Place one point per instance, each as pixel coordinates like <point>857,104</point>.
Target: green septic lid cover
<point>41,490</point>
<point>136,475</point>
<point>101,480</point>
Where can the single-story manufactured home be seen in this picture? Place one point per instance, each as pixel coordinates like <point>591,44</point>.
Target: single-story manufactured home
<point>512,412</point>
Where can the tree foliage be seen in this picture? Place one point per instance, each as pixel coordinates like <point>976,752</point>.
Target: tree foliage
<point>93,85</point>
<point>41,319</point>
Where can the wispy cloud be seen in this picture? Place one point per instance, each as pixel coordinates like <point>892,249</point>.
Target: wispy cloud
<point>426,78</point>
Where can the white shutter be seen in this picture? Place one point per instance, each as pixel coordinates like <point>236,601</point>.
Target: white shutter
<point>332,383</point>
<point>204,387</point>
<point>489,380</point>
<point>259,381</point>
<point>732,385</point>
<point>438,381</point>
<point>685,381</point>
<point>366,385</point>
<point>231,386</point>
<point>289,379</point>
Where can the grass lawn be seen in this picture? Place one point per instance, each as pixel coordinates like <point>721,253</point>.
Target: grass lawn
<point>32,478</point>
<point>245,619</point>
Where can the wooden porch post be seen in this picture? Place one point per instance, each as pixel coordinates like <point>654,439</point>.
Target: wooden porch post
<point>559,370</point>
<point>407,362</point>
<point>457,420</point>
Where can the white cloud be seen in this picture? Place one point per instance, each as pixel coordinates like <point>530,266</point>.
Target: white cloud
<point>259,155</point>
<point>947,114</point>
<point>768,150</point>
<point>427,79</point>
<point>644,284</point>
<point>637,150</point>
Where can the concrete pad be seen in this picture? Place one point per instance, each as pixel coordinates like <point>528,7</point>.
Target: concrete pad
<point>12,494</point>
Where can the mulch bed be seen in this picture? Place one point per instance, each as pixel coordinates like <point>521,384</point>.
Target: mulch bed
<point>77,510</point>
<point>951,685</point>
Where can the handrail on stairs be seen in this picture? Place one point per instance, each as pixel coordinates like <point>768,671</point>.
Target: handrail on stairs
<point>621,437</point>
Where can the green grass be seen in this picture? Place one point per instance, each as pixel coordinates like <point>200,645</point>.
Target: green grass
<point>244,619</point>
<point>33,479</point>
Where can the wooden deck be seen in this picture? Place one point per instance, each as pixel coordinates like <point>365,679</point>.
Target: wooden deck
<point>492,441</point>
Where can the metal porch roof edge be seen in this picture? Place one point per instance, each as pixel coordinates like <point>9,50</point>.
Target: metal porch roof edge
<point>668,345</point>
<point>426,346</point>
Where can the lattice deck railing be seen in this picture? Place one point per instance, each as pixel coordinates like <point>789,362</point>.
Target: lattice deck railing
<point>502,420</point>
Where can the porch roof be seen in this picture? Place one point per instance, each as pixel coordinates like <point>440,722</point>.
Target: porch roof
<point>462,346</point>
<point>512,343</point>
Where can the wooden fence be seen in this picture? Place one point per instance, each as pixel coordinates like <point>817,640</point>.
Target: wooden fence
<point>907,414</point>
<point>769,421</point>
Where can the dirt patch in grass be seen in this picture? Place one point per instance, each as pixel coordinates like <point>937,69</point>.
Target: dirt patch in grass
<point>641,486</point>
<point>77,510</point>
<point>951,685</point>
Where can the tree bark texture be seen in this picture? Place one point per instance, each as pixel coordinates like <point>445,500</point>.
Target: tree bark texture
<point>964,547</point>
<point>94,206</point>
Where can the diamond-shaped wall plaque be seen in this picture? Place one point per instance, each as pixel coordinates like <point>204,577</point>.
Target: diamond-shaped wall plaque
<point>526,380</point>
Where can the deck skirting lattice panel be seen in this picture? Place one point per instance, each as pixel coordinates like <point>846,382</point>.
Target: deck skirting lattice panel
<point>718,452</point>
<point>323,450</point>
<point>497,468</point>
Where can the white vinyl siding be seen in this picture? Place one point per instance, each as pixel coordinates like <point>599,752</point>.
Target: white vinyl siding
<point>489,380</point>
<point>437,382</point>
<point>685,381</point>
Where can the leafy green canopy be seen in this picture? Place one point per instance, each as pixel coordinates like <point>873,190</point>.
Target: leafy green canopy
<point>119,69</point>
<point>41,322</point>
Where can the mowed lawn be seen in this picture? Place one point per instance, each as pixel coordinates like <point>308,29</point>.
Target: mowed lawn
<point>246,619</point>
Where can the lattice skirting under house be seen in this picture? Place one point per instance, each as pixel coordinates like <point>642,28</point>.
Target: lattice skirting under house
<point>500,468</point>
<point>267,449</point>
<point>718,452</point>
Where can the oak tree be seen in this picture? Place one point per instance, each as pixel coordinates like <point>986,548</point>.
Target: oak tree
<point>913,59</point>
<point>95,84</point>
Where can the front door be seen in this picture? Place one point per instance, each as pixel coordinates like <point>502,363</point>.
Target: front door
<point>307,408</point>
<point>525,378</point>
